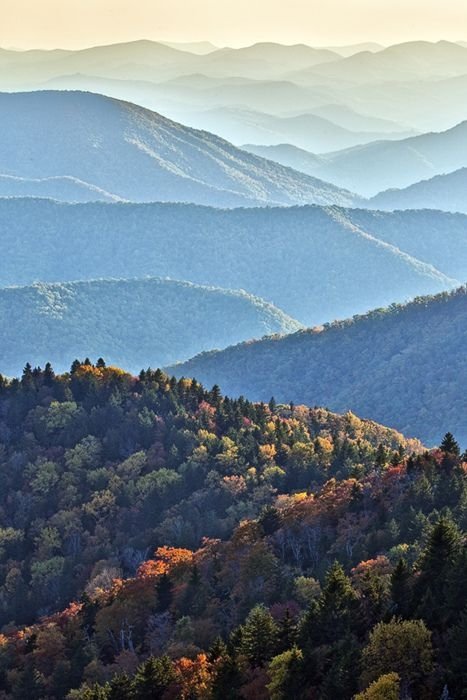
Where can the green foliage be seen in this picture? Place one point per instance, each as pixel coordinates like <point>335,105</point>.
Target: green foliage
<point>169,321</point>
<point>400,646</point>
<point>255,588</point>
<point>187,242</point>
<point>390,364</point>
<point>258,636</point>
<point>284,671</point>
<point>387,687</point>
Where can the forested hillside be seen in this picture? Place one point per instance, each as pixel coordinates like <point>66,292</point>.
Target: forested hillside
<point>136,154</point>
<point>134,323</point>
<point>297,553</point>
<point>340,266</point>
<point>381,165</point>
<point>98,465</point>
<point>405,366</point>
<point>445,192</point>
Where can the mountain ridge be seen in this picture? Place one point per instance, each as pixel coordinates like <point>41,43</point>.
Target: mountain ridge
<point>140,155</point>
<point>168,318</point>
<point>370,364</point>
<point>340,266</point>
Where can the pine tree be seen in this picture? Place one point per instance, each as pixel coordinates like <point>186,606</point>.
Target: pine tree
<point>401,592</point>
<point>121,688</point>
<point>227,679</point>
<point>153,678</point>
<point>258,640</point>
<point>269,519</point>
<point>435,565</point>
<point>449,445</point>
<point>287,632</point>
<point>49,374</point>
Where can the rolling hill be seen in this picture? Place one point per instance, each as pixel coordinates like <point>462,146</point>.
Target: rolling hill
<point>403,365</point>
<point>140,322</point>
<point>315,263</point>
<point>435,237</point>
<point>289,155</point>
<point>309,131</point>
<point>444,192</point>
<point>407,61</point>
<point>151,60</point>
<point>136,154</point>
<point>378,166</point>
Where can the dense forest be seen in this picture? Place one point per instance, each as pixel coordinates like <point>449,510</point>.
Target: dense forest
<point>130,322</point>
<point>142,156</point>
<point>317,264</point>
<point>161,541</point>
<point>404,366</point>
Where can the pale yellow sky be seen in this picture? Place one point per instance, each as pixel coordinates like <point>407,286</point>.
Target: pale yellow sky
<point>77,23</point>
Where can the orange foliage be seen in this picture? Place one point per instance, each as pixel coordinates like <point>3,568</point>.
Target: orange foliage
<point>169,560</point>
<point>194,677</point>
<point>380,566</point>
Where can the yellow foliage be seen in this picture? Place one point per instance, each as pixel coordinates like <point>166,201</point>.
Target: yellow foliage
<point>267,452</point>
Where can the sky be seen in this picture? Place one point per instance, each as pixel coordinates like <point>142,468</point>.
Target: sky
<point>80,23</point>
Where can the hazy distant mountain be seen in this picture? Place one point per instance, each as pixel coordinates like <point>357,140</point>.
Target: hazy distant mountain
<point>138,322</point>
<point>197,47</point>
<point>374,167</point>
<point>348,118</point>
<point>407,61</point>
<point>65,189</point>
<point>137,154</point>
<point>427,104</point>
<point>445,192</point>
<point>195,92</point>
<point>309,131</point>
<point>314,263</point>
<point>405,366</point>
<point>288,155</point>
<point>356,48</point>
<point>420,85</point>
<point>264,60</point>
<point>150,60</point>
<point>154,58</point>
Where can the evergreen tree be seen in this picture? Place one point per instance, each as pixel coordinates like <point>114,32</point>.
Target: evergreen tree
<point>336,613</point>
<point>437,559</point>
<point>153,678</point>
<point>121,688</point>
<point>227,679</point>
<point>401,589</point>
<point>285,674</point>
<point>269,519</point>
<point>258,639</point>
<point>449,445</point>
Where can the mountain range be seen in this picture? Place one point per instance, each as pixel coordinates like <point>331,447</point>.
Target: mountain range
<point>371,168</point>
<point>132,153</point>
<point>309,131</point>
<point>443,192</point>
<point>416,85</point>
<point>315,263</point>
<point>144,322</point>
<point>403,365</point>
